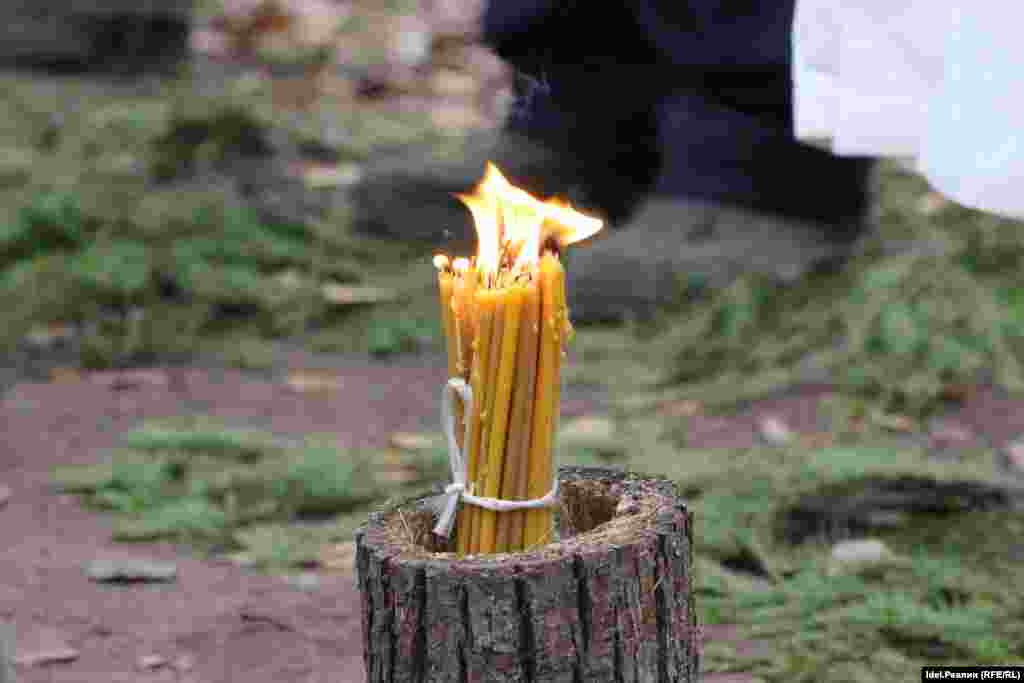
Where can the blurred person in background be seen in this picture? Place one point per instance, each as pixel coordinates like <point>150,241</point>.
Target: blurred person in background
<point>674,121</point>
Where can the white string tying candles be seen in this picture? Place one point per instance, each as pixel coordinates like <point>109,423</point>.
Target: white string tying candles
<point>457,389</point>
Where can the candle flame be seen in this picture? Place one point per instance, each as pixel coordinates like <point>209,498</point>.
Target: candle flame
<point>513,225</point>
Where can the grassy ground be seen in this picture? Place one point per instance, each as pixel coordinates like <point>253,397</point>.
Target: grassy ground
<point>945,591</point>
<point>83,235</point>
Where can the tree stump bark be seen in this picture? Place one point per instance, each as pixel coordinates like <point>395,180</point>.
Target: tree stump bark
<point>611,600</point>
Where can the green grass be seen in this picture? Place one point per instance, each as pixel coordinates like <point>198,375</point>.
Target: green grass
<point>898,329</point>
<point>224,488</point>
<point>116,206</point>
<point>245,446</point>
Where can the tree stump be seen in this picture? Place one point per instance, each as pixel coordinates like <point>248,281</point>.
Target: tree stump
<point>611,600</point>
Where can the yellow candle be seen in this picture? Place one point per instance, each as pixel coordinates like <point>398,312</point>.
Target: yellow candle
<point>511,303</point>
<point>539,521</point>
<point>517,455</point>
<point>484,305</point>
<point>465,313</point>
<point>506,321</point>
<point>446,285</point>
<point>487,405</point>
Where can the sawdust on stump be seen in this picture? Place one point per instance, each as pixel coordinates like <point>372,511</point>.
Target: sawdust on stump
<point>609,600</point>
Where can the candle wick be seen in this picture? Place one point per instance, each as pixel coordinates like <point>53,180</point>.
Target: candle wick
<point>551,244</point>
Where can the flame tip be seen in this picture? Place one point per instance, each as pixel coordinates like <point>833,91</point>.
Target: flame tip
<point>514,228</point>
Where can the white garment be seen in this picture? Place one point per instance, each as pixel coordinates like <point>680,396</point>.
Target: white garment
<point>927,80</point>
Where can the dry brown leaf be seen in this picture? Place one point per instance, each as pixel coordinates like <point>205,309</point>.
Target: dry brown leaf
<point>339,558</point>
<point>456,116</point>
<point>588,428</point>
<point>151,662</point>
<point>44,645</point>
<point>412,441</point>
<point>955,391</point>
<point>317,22</point>
<point>68,374</point>
<point>816,440</point>
<point>398,476</point>
<point>452,83</point>
<point>296,92</point>
<point>932,203</point>
<point>894,423</point>
<point>686,408</point>
<point>312,381</point>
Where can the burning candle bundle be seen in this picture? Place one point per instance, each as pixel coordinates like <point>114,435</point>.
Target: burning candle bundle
<point>506,323</point>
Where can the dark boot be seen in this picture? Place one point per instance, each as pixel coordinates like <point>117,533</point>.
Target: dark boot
<point>675,249</point>
<point>412,196</point>
<point>736,195</point>
<point>564,139</point>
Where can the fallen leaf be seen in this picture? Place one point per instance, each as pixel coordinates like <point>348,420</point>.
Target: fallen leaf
<point>589,428</point>
<point>296,92</point>
<point>412,441</point>
<point>394,467</point>
<point>955,392</point>
<point>346,295</point>
<point>454,18</point>
<point>60,374</point>
<point>398,476</point>
<point>312,381</point>
<point>452,83</point>
<point>151,662</point>
<point>454,116</point>
<point>317,21</point>
<point>816,440</point>
<point>894,423</point>
<point>931,203</point>
<point>341,557</point>
<point>43,645</point>
<point>686,408</point>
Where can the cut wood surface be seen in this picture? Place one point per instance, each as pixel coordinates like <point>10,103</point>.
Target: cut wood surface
<point>611,600</point>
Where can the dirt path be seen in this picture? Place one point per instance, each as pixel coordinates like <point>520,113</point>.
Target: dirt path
<point>215,622</point>
<point>219,622</point>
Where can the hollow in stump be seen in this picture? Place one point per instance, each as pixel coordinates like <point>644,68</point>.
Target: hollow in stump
<point>610,600</point>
